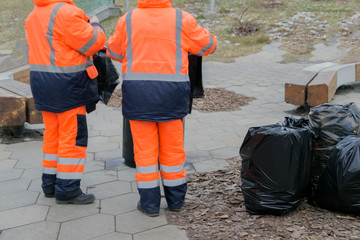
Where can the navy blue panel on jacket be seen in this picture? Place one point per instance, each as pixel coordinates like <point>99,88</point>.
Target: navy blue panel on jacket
<point>156,101</point>
<point>59,92</point>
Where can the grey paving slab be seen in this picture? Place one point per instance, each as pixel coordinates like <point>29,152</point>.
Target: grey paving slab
<point>65,212</point>
<point>32,173</point>
<point>4,155</point>
<point>125,222</point>
<point>110,189</point>
<point>14,186</point>
<point>103,146</point>
<point>7,164</point>
<point>45,230</point>
<point>109,155</point>
<point>225,153</point>
<point>92,166</point>
<point>9,174</point>
<point>162,233</point>
<point>87,228</point>
<point>127,174</point>
<point>22,216</point>
<point>115,236</point>
<point>19,199</point>
<point>30,151</point>
<point>196,156</point>
<point>93,178</point>
<point>120,204</point>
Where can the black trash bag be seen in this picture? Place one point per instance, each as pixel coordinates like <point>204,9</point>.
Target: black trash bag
<point>339,186</point>
<point>276,166</point>
<point>195,75</point>
<point>331,123</point>
<point>108,77</point>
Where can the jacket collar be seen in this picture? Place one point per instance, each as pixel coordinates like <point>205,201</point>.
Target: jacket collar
<point>154,3</point>
<point>40,3</point>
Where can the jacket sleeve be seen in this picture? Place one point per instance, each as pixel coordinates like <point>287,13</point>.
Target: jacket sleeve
<point>197,40</point>
<point>81,35</point>
<point>116,43</point>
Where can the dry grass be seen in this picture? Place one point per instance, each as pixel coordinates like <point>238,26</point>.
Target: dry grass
<point>298,24</point>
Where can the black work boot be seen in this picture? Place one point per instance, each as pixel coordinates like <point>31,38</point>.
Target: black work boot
<point>84,198</point>
<point>141,209</point>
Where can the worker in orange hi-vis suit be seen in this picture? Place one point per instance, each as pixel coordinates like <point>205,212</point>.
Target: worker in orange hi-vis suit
<point>153,43</point>
<point>62,41</point>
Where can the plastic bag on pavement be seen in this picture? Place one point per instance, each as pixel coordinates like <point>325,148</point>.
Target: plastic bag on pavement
<point>276,166</point>
<point>108,76</point>
<point>339,186</point>
<point>195,75</point>
<point>331,123</point>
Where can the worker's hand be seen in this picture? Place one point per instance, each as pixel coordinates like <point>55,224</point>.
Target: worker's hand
<point>93,19</point>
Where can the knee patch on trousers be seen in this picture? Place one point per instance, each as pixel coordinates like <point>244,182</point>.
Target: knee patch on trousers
<point>82,132</point>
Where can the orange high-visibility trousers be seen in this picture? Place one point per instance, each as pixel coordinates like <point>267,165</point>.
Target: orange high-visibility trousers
<point>159,144</point>
<point>65,142</point>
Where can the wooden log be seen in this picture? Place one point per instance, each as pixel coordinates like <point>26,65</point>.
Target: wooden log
<point>295,92</point>
<point>12,109</point>
<point>357,72</point>
<point>322,88</point>
<point>22,75</point>
<point>33,116</point>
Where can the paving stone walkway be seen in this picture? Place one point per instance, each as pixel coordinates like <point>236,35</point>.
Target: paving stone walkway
<point>210,139</point>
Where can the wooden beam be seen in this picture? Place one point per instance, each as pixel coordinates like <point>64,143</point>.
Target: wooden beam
<point>13,109</point>
<point>295,91</point>
<point>322,88</point>
<point>33,116</point>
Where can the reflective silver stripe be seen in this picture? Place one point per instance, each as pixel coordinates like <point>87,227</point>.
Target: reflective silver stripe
<point>56,69</point>
<point>148,184</point>
<point>90,43</point>
<point>71,161</point>
<point>49,34</point>
<point>178,41</point>
<point>129,52</point>
<point>149,169</point>
<point>211,42</point>
<point>115,55</point>
<point>49,171</point>
<point>67,175</point>
<point>50,157</point>
<point>172,169</point>
<point>174,183</point>
<point>156,77</point>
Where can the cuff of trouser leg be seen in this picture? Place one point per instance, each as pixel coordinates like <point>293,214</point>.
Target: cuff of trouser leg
<point>68,195</point>
<point>175,195</point>
<point>49,190</point>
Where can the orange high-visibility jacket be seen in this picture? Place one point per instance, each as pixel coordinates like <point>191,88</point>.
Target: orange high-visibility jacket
<point>61,43</point>
<point>153,43</point>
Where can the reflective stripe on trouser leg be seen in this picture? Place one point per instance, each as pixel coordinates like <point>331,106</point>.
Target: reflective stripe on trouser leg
<point>172,160</point>
<point>146,152</point>
<point>50,148</point>
<point>73,138</point>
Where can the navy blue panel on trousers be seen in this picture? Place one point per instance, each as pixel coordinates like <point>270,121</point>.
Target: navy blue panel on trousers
<point>156,101</point>
<point>67,188</point>
<point>175,196</point>
<point>82,132</point>
<point>150,199</point>
<point>59,92</point>
<point>48,183</point>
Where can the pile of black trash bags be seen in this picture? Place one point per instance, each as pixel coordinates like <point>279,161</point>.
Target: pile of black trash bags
<point>315,157</point>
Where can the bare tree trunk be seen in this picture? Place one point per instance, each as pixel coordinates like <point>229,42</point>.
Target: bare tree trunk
<point>212,6</point>
<point>127,5</point>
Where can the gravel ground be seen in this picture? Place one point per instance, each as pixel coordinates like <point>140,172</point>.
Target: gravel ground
<point>215,209</point>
